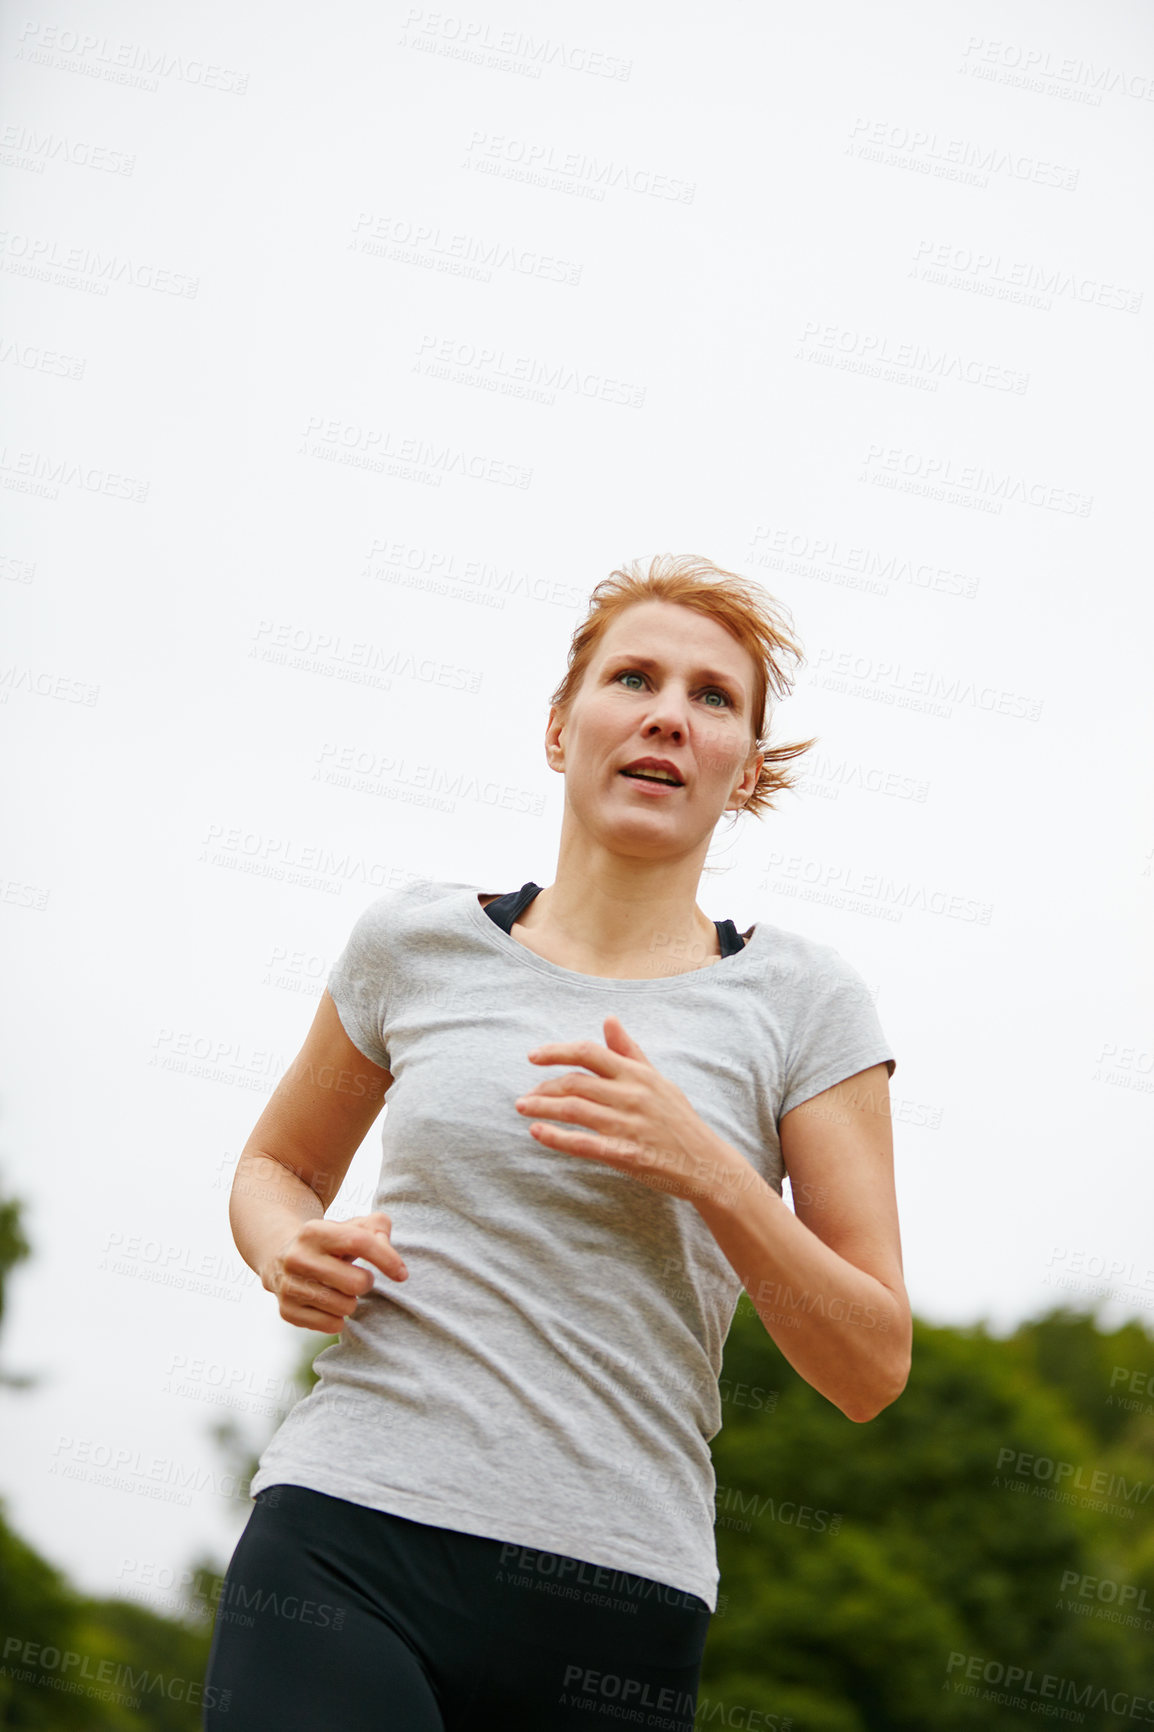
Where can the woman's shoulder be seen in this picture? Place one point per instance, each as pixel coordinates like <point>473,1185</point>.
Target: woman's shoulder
<point>810,966</point>
<point>393,909</point>
<point>415,892</point>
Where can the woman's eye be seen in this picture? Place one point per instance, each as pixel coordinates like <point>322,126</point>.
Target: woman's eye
<point>636,674</point>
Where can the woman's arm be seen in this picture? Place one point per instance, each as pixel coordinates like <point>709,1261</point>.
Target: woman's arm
<point>827,1280</point>
<point>300,1149</point>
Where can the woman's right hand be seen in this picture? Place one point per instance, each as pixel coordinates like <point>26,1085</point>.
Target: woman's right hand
<point>313,1275</point>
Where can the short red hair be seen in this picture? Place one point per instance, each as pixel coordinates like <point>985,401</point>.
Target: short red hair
<point>759,623</point>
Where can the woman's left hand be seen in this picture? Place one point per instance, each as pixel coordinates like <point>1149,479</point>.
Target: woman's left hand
<point>636,1119</point>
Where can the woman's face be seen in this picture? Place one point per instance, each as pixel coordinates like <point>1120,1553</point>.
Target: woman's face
<point>664,682</point>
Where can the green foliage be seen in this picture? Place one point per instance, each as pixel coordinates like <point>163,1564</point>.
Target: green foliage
<point>858,1562</point>
<point>1093,1369</point>
<point>96,1665</point>
<point>14,1247</point>
<point>70,1661</point>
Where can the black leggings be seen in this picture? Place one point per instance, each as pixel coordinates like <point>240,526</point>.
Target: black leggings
<point>333,1617</point>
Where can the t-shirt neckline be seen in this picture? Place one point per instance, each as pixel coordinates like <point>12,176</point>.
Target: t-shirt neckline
<point>513,947</point>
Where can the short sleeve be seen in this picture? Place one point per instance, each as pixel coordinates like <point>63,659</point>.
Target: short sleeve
<point>358,982</point>
<point>840,1035</point>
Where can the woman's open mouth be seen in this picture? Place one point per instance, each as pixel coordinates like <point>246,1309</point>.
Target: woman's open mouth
<point>650,784</point>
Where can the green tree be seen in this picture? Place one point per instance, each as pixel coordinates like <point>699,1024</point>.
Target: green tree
<point>73,1660</point>
<point>14,1247</point>
<point>949,1543</point>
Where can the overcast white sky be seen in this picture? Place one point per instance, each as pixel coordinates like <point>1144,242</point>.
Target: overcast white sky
<point>342,356</point>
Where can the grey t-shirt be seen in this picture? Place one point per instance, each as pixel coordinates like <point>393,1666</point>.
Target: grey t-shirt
<point>548,1374</point>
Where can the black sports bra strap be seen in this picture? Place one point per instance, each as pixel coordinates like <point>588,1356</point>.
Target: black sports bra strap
<point>731,939</point>
<point>508,909</point>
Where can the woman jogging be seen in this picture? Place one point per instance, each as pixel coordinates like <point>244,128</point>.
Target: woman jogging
<point>495,1508</point>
